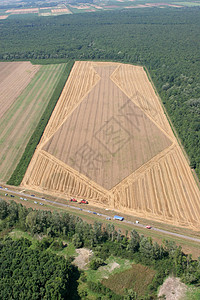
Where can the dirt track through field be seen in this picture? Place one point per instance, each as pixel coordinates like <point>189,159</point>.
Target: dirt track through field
<point>109,141</point>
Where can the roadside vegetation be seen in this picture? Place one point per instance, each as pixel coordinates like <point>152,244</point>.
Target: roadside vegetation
<point>33,236</point>
<point>165,41</point>
<point>20,170</point>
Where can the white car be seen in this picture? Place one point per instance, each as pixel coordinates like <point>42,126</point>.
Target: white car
<point>35,202</point>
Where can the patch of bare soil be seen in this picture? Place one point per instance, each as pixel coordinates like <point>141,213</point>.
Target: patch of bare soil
<point>109,268</point>
<point>173,289</point>
<point>83,258</point>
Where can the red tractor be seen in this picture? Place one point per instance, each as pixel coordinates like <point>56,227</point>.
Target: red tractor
<point>83,201</point>
<point>73,200</point>
<point>148,227</point>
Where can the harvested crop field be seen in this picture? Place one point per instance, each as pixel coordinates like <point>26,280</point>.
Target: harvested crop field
<point>109,141</point>
<point>22,105</point>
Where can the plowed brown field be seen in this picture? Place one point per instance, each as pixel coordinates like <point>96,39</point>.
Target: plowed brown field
<point>109,141</point>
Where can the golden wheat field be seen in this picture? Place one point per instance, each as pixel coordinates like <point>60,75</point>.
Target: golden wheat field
<point>109,141</point>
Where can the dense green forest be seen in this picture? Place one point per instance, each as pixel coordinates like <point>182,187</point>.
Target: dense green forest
<point>33,273</point>
<point>166,41</point>
<point>46,276</point>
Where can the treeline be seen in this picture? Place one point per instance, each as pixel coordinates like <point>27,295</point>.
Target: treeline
<point>166,41</point>
<point>20,170</point>
<point>104,241</point>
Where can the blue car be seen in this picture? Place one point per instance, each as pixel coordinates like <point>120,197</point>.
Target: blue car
<point>118,218</point>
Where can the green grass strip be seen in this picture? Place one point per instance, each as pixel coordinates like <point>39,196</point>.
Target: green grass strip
<point>19,172</point>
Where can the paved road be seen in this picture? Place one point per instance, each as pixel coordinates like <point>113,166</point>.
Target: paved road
<point>24,195</point>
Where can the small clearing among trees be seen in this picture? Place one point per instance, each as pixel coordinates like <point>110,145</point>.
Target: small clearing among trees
<point>137,278</point>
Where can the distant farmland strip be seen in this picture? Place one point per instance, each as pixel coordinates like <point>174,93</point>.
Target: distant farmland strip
<point>55,85</point>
